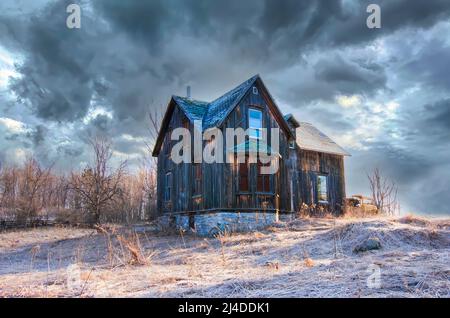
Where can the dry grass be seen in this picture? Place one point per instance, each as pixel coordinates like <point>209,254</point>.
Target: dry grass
<point>304,258</point>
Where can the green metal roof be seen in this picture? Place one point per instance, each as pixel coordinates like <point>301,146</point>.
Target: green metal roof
<point>252,146</point>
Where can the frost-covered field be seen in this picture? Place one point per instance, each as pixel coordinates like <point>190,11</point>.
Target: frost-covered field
<point>302,258</point>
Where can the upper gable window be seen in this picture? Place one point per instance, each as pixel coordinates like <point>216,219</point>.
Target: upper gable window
<point>255,90</point>
<point>255,123</point>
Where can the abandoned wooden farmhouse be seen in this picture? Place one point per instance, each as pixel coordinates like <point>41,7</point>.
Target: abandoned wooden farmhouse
<point>311,165</point>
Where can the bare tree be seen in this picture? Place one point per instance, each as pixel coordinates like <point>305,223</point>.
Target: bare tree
<point>23,190</point>
<point>98,186</point>
<point>150,164</point>
<point>384,193</point>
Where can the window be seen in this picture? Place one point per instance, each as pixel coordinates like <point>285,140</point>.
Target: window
<point>292,144</point>
<point>255,90</point>
<point>322,190</point>
<point>243,177</point>
<point>168,186</point>
<point>263,180</point>
<point>255,123</point>
<point>197,171</point>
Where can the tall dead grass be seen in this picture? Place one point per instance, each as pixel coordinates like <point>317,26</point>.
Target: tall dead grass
<point>124,248</point>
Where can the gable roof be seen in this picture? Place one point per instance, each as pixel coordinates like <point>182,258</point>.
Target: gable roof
<point>214,113</point>
<point>311,138</point>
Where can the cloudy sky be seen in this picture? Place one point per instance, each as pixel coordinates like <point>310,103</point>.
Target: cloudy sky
<point>382,94</point>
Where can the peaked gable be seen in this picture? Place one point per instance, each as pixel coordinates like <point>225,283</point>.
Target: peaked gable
<point>213,114</point>
<point>220,108</point>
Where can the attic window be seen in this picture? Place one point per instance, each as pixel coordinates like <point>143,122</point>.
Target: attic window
<point>255,90</point>
<point>255,123</point>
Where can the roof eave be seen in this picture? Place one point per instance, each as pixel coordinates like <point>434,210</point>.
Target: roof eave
<point>343,154</point>
<point>166,118</point>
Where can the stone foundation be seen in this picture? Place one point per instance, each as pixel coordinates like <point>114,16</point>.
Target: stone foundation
<point>209,224</point>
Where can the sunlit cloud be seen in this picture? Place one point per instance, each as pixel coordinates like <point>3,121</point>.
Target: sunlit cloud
<point>348,101</point>
<point>95,111</point>
<point>13,126</point>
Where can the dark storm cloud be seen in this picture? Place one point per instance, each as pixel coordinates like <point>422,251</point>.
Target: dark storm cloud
<point>434,124</point>
<point>57,80</point>
<point>330,118</point>
<point>64,70</point>
<point>439,114</point>
<point>430,65</point>
<point>396,15</point>
<point>146,21</point>
<point>37,135</point>
<point>350,77</point>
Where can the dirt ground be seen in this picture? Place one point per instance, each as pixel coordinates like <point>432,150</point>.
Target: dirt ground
<point>302,258</point>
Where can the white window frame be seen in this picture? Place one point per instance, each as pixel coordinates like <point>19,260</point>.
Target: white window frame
<point>259,129</point>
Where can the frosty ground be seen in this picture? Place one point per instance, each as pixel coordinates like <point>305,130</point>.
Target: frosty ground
<point>302,258</point>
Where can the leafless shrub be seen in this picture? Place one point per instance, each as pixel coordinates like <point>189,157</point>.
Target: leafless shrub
<point>131,251</point>
<point>150,167</point>
<point>25,191</point>
<point>133,246</point>
<point>384,193</point>
<point>99,185</point>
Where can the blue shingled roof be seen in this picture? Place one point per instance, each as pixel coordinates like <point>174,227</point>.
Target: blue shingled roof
<point>194,109</point>
<point>220,108</point>
<point>211,114</point>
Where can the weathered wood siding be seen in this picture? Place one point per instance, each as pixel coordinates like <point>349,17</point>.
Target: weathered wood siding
<point>312,164</point>
<point>181,174</point>
<point>227,174</point>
